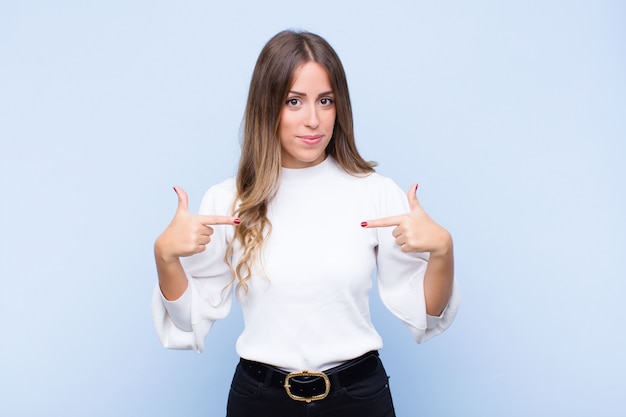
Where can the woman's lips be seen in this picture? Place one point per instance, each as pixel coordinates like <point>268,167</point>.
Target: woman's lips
<point>311,139</point>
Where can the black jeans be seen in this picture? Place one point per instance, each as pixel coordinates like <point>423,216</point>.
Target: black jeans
<point>369,397</point>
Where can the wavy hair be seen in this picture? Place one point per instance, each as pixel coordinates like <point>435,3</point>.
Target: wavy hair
<point>258,176</point>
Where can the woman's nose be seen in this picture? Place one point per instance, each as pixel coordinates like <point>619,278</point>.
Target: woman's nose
<point>312,118</point>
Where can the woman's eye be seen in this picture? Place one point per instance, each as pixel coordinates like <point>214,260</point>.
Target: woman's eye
<point>292,102</point>
<point>326,101</point>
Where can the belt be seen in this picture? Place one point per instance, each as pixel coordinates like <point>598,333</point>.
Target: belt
<point>311,385</point>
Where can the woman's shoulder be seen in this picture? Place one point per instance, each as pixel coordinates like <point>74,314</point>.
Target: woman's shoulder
<point>365,178</point>
<point>227,186</point>
<point>376,180</point>
<point>219,198</point>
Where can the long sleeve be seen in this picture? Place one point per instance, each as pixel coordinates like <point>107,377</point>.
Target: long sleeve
<point>401,275</point>
<point>184,323</point>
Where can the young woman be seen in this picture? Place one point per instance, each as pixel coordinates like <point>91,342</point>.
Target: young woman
<point>296,236</point>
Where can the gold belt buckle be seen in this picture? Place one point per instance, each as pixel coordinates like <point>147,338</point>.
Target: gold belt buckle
<point>307,373</point>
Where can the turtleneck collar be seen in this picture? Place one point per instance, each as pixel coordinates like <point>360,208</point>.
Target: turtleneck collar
<point>290,175</point>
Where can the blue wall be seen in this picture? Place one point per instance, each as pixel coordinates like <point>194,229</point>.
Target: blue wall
<point>510,115</point>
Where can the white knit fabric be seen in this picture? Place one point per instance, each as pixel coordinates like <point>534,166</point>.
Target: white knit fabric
<point>308,306</point>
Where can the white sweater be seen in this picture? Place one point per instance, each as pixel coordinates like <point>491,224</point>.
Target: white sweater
<point>310,309</point>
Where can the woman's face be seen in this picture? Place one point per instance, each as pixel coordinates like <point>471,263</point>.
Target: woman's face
<point>307,118</point>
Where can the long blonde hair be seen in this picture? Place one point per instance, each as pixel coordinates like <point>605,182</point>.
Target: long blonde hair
<point>258,176</point>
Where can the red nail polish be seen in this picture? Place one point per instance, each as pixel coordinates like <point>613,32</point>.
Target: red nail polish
<point>363,224</point>
<point>237,221</point>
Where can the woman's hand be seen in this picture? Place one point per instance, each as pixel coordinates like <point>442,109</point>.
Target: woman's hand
<point>187,234</point>
<point>416,231</point>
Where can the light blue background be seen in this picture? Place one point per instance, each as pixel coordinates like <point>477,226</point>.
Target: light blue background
<point>510,115</point>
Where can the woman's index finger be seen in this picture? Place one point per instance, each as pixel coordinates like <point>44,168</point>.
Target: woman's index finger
<point>383,222</point>
<point>210,220</point>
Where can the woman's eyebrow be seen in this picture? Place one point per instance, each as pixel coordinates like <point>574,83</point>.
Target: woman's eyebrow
<point>297,93</point>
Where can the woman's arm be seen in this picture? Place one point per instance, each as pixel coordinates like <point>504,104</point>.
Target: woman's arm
<point>439,277</point>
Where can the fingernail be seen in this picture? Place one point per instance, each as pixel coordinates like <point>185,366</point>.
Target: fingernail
<point>363,224</point>
<point>237,221</point>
